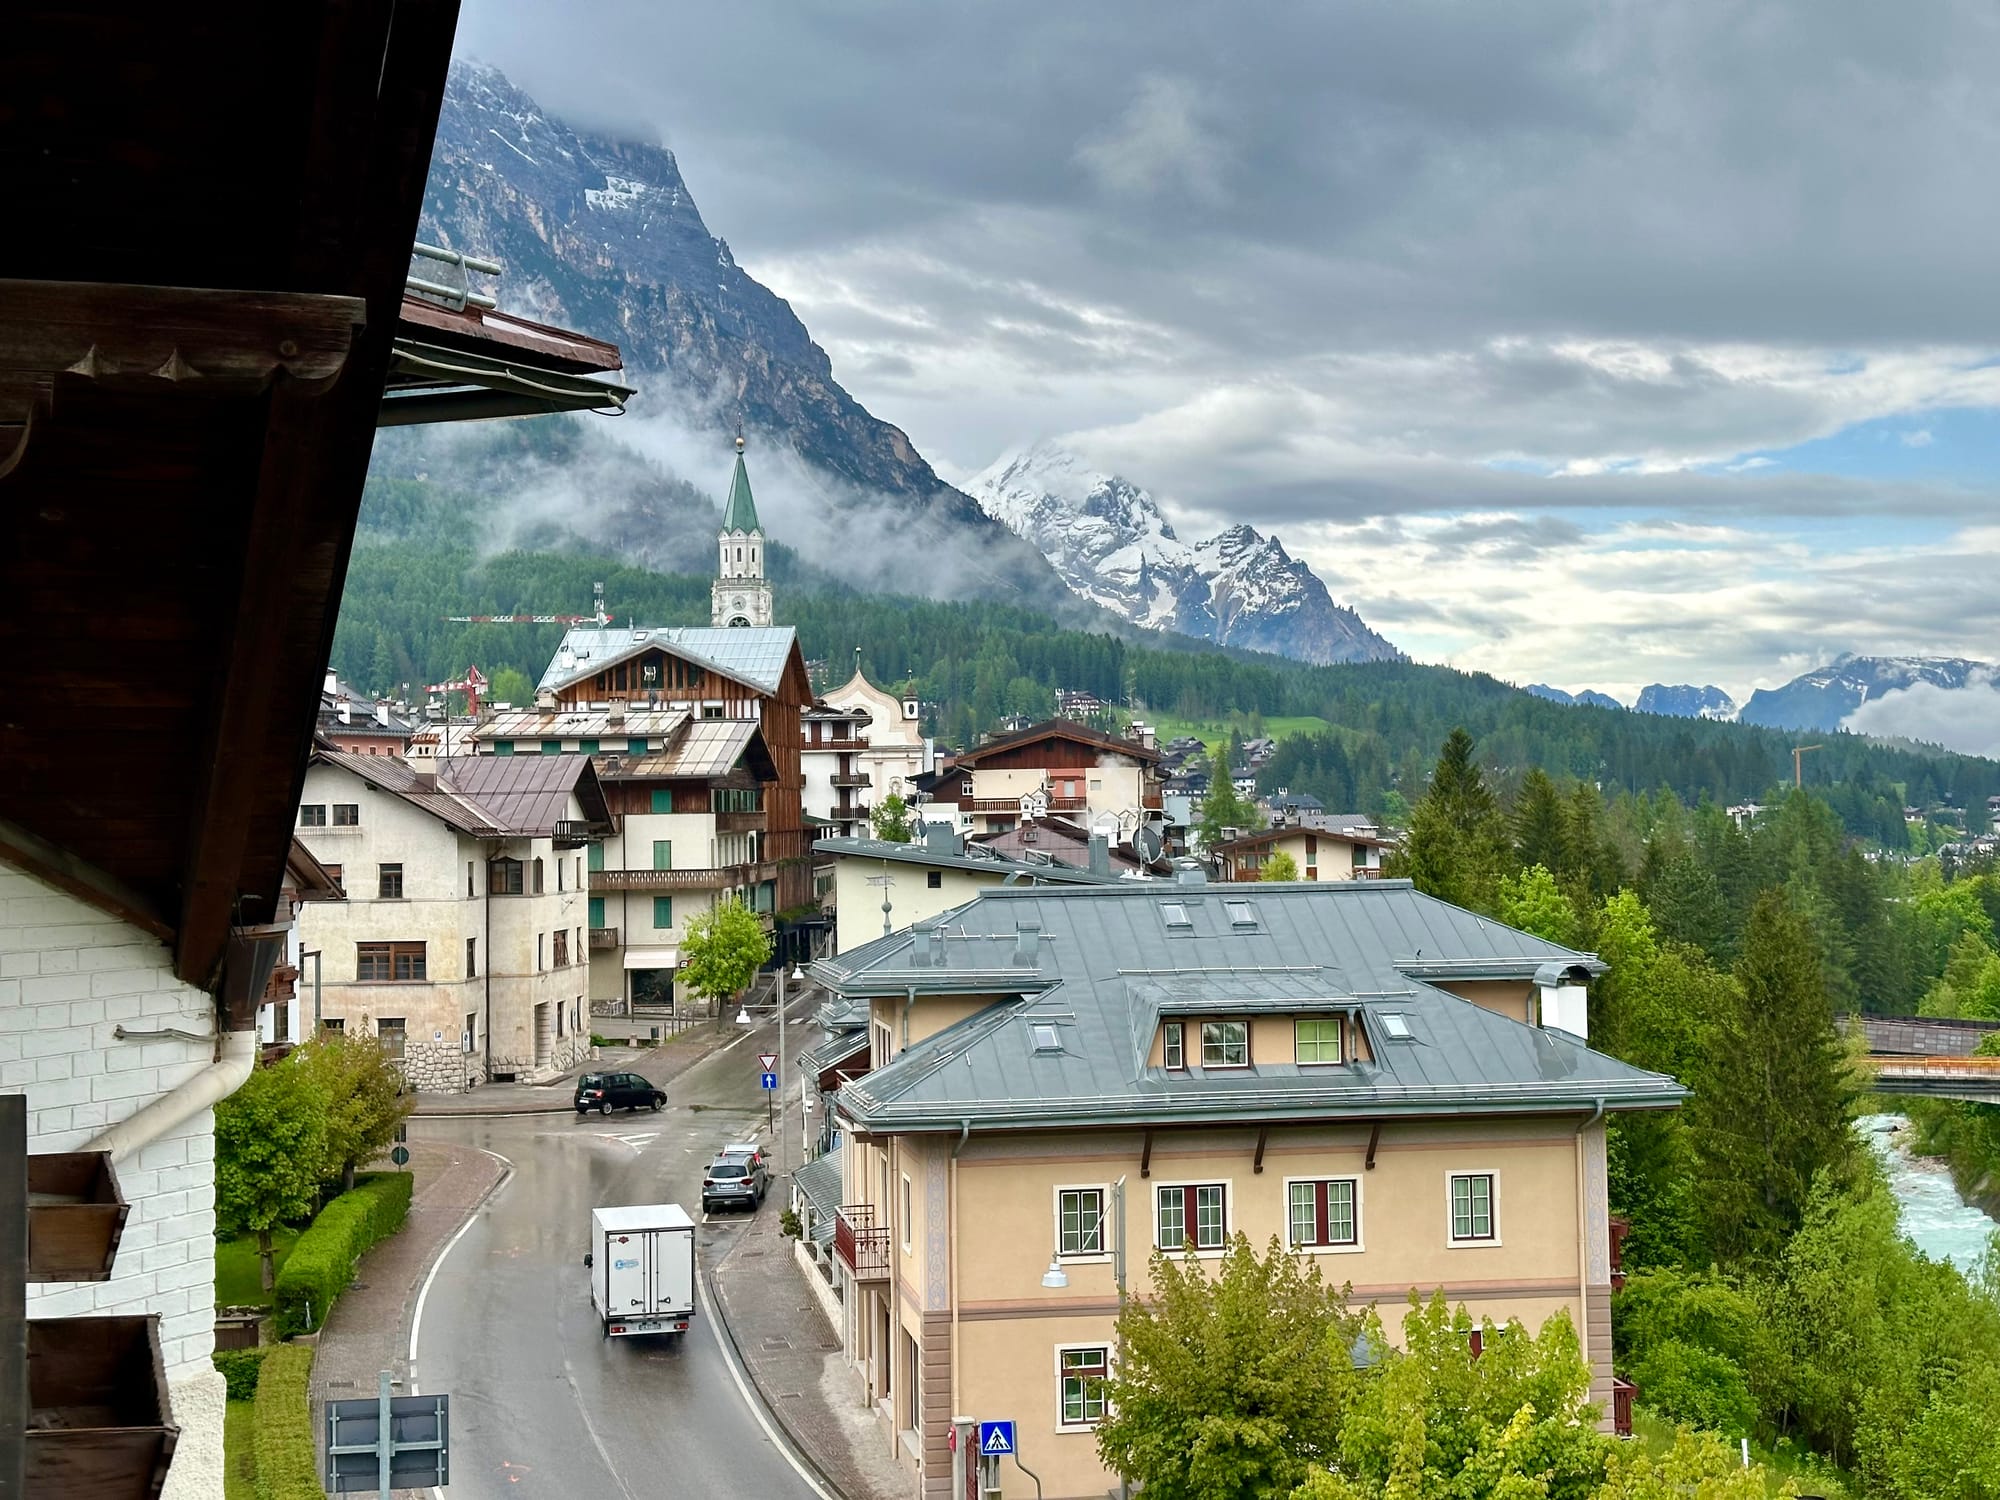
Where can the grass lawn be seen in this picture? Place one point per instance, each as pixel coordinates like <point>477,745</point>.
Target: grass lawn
<point>238,1282</point>
<point>1211,730</point>
<point>239,1455</point>
<point>1655,1434</point>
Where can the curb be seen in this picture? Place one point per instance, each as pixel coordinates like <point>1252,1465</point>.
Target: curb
<point>771,1407</point>
<point>522,1111</point>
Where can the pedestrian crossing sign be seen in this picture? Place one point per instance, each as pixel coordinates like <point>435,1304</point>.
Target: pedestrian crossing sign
<point>996,1438</point>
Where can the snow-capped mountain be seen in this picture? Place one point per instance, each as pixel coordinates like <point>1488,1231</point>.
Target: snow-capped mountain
<point>1109,541</point>
<point>1685,701</point>
<point>1589,697</point>
<point>1824,697</point>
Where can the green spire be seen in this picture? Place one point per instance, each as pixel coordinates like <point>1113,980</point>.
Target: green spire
<point>740,514</point>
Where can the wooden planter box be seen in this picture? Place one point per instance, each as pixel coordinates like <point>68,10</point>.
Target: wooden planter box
<point>75,1216</point>
<point>99,1423</point>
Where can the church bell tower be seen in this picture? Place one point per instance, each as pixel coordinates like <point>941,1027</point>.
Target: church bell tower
<point>741,594</point>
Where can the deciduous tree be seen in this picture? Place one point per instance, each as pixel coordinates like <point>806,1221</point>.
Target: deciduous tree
<point>722,949</point>
<point>891,820</point>
<point>1280,866</point>
<point>364,1097</point>
<point>270,1154</point>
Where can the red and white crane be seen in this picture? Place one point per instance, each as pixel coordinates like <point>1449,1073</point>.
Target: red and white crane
<point>597,617</point>
<point>472,684</point>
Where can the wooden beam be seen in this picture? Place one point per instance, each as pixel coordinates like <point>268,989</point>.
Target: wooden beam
<point>1263,1133</point>
<point>83,880</point>
<point>13,1296</point>
<point>1146,1156</point>
<point>1374,1140</point>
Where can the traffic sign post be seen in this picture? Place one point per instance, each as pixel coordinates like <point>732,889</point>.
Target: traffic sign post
<point>391,1442</point>
<point>996,1439</point>
<point>768,1082</point>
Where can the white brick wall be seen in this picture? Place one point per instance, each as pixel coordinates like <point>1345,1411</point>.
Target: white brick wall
<point>69,974</point>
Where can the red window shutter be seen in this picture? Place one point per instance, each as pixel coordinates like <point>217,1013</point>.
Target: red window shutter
<point>1191,1216</point>
<point>1319,1213</point>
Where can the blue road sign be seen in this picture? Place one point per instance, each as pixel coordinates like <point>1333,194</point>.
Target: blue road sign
<point>767,1080</point>
<point>995,1439</point>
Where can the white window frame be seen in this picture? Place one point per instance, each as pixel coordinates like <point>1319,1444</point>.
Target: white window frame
<point>1228,1215</point>
<point>907,1205</point>
<point>1451,1236</point>
<point>1224,1021</point>
<point>1360,1230</point>
<point>1339,1041</point>
<point>1102,1253</point>
<point>1167,1060</point>
<point>1090,1424</point>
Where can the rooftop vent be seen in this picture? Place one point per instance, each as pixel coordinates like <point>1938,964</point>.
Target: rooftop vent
<point>1027,942</point>
<point>1190,874</point>
<point>920,947</point>
<point>1046,1037</point>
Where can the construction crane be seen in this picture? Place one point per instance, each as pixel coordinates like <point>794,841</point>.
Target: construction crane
<point>1798,752</point>
<point>471,684</point>
<point>597,617</point>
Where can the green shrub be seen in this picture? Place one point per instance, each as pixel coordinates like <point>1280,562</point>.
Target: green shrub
<point>240,1368</point>
<point>1696,1388</point>
<point>286,1466</point>
<point>322,1263</point>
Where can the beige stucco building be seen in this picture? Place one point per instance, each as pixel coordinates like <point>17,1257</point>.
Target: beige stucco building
<point>463,941</point>
<point>1098,779</point>
<point>897,751</point>
<point>1380,1080</point>
<point>1350,853</point>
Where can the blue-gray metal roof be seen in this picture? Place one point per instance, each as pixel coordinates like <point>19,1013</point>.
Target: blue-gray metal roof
<point>819,1180</point>
<point>920,853</point>
<point>755,654</point>
<point>1104,963</point>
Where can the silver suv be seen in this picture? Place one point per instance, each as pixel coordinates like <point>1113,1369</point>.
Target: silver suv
<point>736,1176</point>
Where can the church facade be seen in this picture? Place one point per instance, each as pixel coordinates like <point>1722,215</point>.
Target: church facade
<point>740,596</point>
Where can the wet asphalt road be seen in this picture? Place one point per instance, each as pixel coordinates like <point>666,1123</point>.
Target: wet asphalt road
<point>542,1404</point>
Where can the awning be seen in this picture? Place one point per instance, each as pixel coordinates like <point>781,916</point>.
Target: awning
<point>653,958</point>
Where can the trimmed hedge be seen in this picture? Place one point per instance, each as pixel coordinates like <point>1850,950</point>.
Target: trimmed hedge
<point>322,1263</point>
<point>240,1367</point>
<point>287,1467</point>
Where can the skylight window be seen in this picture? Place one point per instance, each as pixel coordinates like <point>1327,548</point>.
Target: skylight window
<point>1397,1025</point>
<point>1046,1037</point>
<point>1176,913</point>
<point>1241,913</point>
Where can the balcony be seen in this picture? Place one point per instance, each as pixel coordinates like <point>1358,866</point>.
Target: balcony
<point>603,938</point>
<point>741,822</point>
<point>1011,806</point>
<point>862,1247</point>
<point>720,878</point>
<point>571,833</point>
<point>851,778</point>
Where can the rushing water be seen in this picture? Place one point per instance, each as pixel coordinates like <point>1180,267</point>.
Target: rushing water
<point>1944,1225</point>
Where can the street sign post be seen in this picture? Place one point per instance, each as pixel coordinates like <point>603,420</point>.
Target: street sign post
<point>389,1443</point>
<point>767,1062</point>
<point>996,1439</point>
<point>768,1082</point>
<point>400,1155</point>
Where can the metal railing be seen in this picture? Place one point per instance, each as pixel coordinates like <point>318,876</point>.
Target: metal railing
<point>862,1245</point>
<point>715,879</point>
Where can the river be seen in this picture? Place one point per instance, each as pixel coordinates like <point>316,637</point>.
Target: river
<point>1943,1225</point>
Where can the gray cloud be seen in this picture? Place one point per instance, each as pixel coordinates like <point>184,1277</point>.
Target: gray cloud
<point>1965,719</point>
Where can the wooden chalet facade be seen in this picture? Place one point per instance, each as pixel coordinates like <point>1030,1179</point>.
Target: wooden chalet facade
<point>1055,767</point>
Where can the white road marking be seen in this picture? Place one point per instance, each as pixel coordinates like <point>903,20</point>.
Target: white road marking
<point>417,1321</point>
<point>756,1407</point>
<point>583,1410</point>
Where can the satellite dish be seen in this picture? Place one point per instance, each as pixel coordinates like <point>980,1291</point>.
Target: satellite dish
<point>1148,844</point>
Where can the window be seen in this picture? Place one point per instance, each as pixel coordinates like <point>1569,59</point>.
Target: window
<point>503,877</point>
<point>389,1032</point>
<point>541,946</point>
<point>346,815</point>
<point>1323,1214</point>
<point>1080,1221</point>
<point>562,956</point>
<point>662,799</point>
<point>594,857</point>
<point>538,877</point>
<point>1045,1037</point>
<point>1240,913</point>
<point>334,1024</point>
<point>1316,1042</point>
<point>1398,1026</point>
<point>561,1010</point>
<point>468,880</point>
<point>906,1215</point>
<point>472,958</point>
<point>635,747</point>
<point>934,880</point>
<point>1225,1044</point>
<point>389,883</point>
<point>1191,1216</point>
<point>965,787</point>
<point>1082,1374</point>
<point>503,747</point>
<point>552,747</point>
<point>471,1037</point>
<point>711,710</point>
<point>1472,1219</point>
<point>1172,1050</point>
<point>588,747</point>
<point>663,912</point>
<point>333,873</point>
<point>663,854</point>
<point>312,815</point>
<point>596,911</point>
<point>1176,913</point>
<point>388,963</point>
<point>559,875</point>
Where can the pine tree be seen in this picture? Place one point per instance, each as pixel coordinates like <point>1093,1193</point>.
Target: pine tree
<point>1538,823</point>
<point>1458,840</point>
<point>1772,1104</point>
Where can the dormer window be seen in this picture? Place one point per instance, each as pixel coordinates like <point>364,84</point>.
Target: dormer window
<point>1225,1044</point>
<point>1316,1042</point>
<point>1397,1026</point>
<point>1173,1046</point>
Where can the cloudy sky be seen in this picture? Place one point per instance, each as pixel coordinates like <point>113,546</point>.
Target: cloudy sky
<point>1597,344</point>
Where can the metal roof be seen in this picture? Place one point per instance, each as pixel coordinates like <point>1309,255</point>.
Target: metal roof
<point>920,853</point>
<point>740,514</point>
<point>581,724</point>
<point>754,655</point>
<point>835,1049</point>
<point>1061,729</point>
<point>707,748</point>
<point>487,796</point>
<point>819,1180</point>
<point>1103,965</point>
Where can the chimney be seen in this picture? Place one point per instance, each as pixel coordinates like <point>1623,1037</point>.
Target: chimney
<point>346,712</point>
<point>427,778</point>
<point>1563,1003</point>
<point>942,838</point>
<point>920,947</point>
<point>382,712</point>
<point>332,682</point>
<point>615,715</point>
<point>1100,854</point>
<point>546,698</point>
<point>1027,943</point>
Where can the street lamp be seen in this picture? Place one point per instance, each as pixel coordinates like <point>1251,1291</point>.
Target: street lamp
<point>744,1018</point>
<point>1055,1278</point>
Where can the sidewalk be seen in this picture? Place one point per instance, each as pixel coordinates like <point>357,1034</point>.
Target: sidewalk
<point>660,1064</point>
<point>793,1357</point>
<point>369,1330</point>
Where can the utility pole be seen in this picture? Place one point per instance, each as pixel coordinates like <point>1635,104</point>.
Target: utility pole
<point>1798,752</point>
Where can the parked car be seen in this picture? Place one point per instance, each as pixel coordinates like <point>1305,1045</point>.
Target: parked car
<point>745,1151</point>
<point>734,1180</point>
<point>604,1092</point>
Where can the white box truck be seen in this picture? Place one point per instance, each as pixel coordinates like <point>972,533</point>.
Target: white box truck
<point>641,1261</point>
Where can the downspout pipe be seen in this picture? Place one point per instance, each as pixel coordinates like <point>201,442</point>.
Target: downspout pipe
<point>236,1055</point>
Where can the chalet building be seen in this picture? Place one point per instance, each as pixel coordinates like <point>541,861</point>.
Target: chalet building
<point>1054,767</point>
<point>880,887</point>
<point>833,756</point>
<point>463,941</point>
<point>181,465</point>
<point>1348,852</point>
<point>1110,1069</point>
<point>349,721</point>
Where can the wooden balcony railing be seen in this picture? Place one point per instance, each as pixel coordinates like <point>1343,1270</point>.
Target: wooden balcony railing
<point>602,938</point>
<point>862,1246</point>
<point>851,778</point>
<point>741,822</point>
<point>682,880</point>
